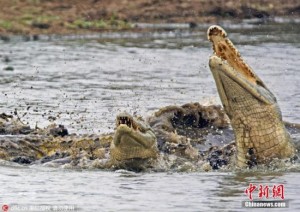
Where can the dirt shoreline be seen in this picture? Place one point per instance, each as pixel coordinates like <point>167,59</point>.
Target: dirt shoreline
<point>34,17</point>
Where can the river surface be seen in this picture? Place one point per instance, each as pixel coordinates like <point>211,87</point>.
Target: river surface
<point>83,82</point>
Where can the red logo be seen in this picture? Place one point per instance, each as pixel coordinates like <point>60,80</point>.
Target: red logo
<point>250,190</point>
<point>278,191</point>
<point>264,191</point>
<point>5,208</point>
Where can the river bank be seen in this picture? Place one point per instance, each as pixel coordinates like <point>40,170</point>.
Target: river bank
<point>35,17</point>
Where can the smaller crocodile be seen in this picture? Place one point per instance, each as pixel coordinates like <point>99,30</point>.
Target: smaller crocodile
<point>133,139</point>
<point>134,145</point>
<point>174,138</point>
<point>260,134</point>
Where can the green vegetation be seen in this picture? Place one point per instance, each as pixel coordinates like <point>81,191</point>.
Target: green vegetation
<point>32,20</point>
<point>6,24</point>
<point>112,23</point>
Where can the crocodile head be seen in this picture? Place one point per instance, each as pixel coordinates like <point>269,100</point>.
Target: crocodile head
<point>252,108</point>
<point>231,73</point>
<point>133,139</point>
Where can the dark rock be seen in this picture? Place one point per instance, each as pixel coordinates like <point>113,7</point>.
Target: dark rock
<point>22,160</point>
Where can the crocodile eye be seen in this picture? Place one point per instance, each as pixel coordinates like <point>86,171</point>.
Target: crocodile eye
<point>259,83</point>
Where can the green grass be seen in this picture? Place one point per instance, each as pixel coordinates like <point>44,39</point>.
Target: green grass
<point>6,24</point>
<point>99,24</point>
<point>29,19</point>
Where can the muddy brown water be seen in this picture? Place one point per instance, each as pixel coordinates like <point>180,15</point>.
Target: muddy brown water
<point>83,83</point>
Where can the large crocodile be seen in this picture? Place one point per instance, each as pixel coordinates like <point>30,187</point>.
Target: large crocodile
<point>260,134</point>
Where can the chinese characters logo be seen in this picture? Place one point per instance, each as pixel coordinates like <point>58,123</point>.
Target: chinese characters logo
<point>265,191</point>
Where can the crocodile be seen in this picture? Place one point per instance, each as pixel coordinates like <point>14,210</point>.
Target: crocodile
<point>260,134</point>
<point>175,137</point>
<point>133,139</point>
